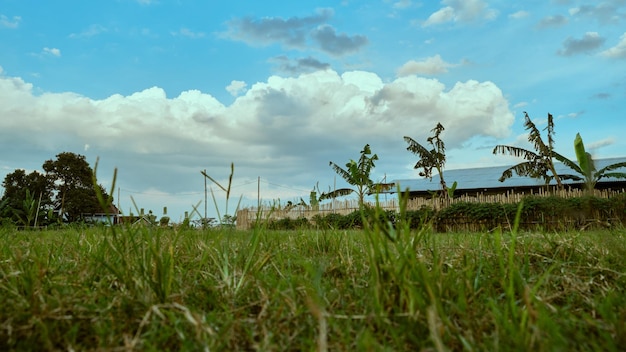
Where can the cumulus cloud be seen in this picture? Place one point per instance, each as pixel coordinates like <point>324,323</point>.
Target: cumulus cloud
<point>283,129</point>
<point>588,43</point>
<point>618,51</point>
<point>52,51</point>
<point>552,21</point>
<point>10,22</point>
<point>236,87</point>
<point>461,11</point>
<point>430,66</point>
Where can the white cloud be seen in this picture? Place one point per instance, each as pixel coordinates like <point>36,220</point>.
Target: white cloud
<point>91,31</point>
<point>430,66</point>
<point>236,87</point>
<point>519,14</point>
<point>599,144</point>
<point>10,23</point>
<point>520,105</point>
<point>402,4</point>
<point>186,32</point>
<point>461,11</point>
<point>618,51</point>
<point>52,51</point>
<point>284,129</point>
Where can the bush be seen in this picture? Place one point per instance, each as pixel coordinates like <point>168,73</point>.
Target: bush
<point>547,213</point>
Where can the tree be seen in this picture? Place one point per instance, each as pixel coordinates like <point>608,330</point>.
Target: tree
<point>357,174</point>
<point>73,182</point>
<point>586,169</point>
<point>538,164</point>
<point>434,158</point>
<point>21,188</point>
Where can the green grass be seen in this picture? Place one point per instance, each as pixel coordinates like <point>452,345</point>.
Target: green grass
<point>381,288</point>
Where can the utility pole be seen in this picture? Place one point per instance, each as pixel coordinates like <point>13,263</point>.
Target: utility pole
<point>205,195</point>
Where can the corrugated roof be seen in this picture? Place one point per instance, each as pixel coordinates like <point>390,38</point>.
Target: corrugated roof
<point>487,177</point>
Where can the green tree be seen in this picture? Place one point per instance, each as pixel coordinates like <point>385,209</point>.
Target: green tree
<point>19,187</point>
<point>538,163</point>
<point>73,181</point>
<point>586,169</point>
<point>357,174</point>
<point>434,158</point>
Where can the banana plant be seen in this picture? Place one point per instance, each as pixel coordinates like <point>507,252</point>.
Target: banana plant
<point>434,158</point>
<point>357,174</point>
<point>538,163</point>
<point>585,169</point>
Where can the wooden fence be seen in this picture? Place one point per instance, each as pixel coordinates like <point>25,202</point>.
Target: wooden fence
<point>248,216</point>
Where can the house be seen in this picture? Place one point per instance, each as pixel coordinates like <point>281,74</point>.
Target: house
<point>110,217</point>
<point>484,180</point>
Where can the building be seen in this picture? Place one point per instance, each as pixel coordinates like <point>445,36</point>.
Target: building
<point>484,180</point>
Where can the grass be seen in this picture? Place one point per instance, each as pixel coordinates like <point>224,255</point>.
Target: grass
<point>380,288</point>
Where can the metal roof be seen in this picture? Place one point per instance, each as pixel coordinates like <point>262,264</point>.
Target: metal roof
<point>487,178</point>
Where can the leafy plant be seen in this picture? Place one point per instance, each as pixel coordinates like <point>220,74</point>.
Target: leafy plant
<point>357,174</point>
<point>29,210</point>
<point>586,169</point>
<point>538,163</point>
<point>434,158</point>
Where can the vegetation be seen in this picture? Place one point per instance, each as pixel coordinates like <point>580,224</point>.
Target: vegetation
<point>65,192</point>
<point>357,174</point>
<point>227,219</point>
<point>586,169</point>
<point>385,287</point>
<point>540,213</point>
<point>431,158</point>
<point>538,163</point>
<point>20,189</point>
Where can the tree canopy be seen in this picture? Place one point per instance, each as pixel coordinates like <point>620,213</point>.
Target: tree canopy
<point>20,189</point>
<point>73,181</point>
<point>64,191</point>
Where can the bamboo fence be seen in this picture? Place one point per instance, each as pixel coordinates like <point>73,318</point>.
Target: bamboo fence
<point>248,216</point>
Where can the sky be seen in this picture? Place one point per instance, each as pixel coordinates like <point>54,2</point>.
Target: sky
<point>161,90</point>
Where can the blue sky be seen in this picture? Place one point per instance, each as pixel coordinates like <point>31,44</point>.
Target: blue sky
<point>163,89</point>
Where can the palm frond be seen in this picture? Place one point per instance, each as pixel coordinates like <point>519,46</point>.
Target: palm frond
<point>567,162</point>
<point>336,193</point>
<point>611,168</point>
<point>618,175</point>
<point>416,148</point>
<point>515,151</point>
<point>571,177</point>
<point>346,175</point>
<point>380,187</point>
<point>523,169</point>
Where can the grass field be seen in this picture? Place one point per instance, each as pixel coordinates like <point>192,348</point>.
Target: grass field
<point>376,289</point>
